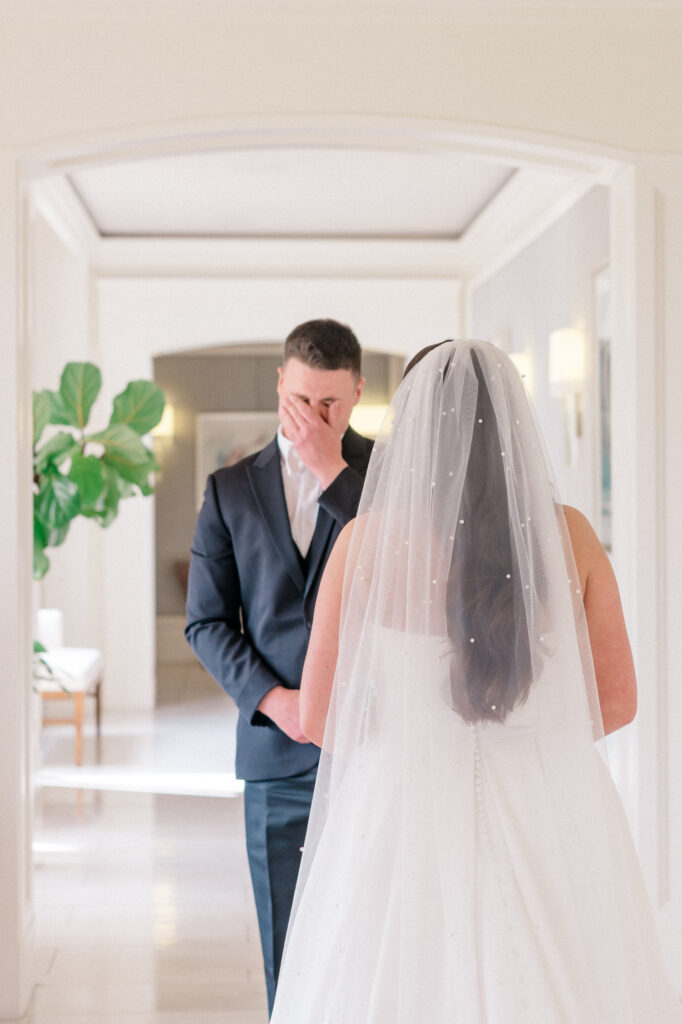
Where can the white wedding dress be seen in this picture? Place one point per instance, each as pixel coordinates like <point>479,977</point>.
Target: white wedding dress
<point>467,859</point>
<point>495,908</point>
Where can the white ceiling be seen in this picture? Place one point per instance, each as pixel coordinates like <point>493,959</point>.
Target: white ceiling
<point>280,192</point>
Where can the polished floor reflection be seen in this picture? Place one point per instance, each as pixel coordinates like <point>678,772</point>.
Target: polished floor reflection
<point>144,913</point>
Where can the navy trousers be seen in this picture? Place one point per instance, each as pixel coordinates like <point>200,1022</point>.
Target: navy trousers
<point>276,813</point>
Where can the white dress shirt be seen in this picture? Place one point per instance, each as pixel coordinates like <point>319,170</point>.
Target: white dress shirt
<point>301,491</point>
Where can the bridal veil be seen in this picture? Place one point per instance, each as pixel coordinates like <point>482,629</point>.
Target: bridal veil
<point>467,859</point>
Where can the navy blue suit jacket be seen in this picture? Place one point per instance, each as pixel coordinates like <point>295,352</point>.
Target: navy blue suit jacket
<point>249,604</point>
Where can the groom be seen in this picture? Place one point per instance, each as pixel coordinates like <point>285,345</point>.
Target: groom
<point>262,539</point>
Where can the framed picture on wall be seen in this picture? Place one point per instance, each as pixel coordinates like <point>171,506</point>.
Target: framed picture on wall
<point>223,438</point>
<point>601,298</point>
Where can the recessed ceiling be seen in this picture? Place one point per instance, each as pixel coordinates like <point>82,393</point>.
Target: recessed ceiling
<point>310,193</point>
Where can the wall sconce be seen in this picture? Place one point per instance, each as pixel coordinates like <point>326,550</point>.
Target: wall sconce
<point>524,364</point>
<point>367,418</point>
<point>567,373</point>
<point>165,428</point>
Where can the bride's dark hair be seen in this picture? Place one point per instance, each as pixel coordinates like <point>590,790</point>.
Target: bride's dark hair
<point>484,594</point>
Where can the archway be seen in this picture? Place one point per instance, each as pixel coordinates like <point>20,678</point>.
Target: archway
<point>630,208</point>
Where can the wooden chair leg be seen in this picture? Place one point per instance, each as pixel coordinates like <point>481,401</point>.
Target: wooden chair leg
<point>78,700</point>
<point>98,708</point>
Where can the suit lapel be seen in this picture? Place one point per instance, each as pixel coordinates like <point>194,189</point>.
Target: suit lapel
<point>318,545</point>
<point>265,477</point>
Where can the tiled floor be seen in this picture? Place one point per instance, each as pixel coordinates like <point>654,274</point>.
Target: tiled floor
<point>144,912</point>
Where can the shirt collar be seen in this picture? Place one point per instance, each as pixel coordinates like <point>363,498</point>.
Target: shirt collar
<point>288,453</point>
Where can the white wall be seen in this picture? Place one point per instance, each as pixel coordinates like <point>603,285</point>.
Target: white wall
<point>60,333</point>
<point>545,287</point>
<point>16,883</point>
<point>585,75</point>
<point>164,315</point>
<point>646,224</point>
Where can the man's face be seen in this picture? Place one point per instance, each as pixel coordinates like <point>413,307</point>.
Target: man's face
<point>320,389</point>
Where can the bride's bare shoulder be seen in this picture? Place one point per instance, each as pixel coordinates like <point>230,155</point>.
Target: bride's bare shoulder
<point>343,540</point>
<point>584,541</point>
<point>355,531</point>
<point>577,522</point>
<point>339,554</point>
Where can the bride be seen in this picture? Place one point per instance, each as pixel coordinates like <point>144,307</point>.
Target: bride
<point>467,859</point>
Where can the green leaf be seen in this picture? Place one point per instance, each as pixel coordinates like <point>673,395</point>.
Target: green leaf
<point>107,504</point>
<point>58,412</point>
<point>41,413</point>
<point>107,517</point>
<point>135,473</point>
<point>79,387</point>
<point>38,648</point>
<point>140,406</point>
<point>39,533</point>
<point>125,488</point>
<point>41,563</point>
<point>124,452</point>
<point>44,534</point>
<point>86,473</point>
<point>121,442</point>
<point>57,501</point>
<point>57,536</point>
<point>59,448</point>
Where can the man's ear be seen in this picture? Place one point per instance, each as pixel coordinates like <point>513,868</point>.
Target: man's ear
<point>358,390</point>
<point>279,379</point>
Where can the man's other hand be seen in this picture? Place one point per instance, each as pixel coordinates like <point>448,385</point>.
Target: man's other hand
<point>281,705</point>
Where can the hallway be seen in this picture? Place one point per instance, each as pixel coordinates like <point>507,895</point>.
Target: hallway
<point>144,912</point>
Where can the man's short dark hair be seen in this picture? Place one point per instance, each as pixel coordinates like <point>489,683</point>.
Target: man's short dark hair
<point>326,345</point>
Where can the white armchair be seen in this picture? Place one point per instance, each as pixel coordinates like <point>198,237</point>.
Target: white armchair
<point>68,674</point>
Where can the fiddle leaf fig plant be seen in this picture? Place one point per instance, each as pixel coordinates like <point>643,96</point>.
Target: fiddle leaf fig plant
<point>78,473</point>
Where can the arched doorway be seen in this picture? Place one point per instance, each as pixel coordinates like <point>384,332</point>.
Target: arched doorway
<point>629,209</point>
